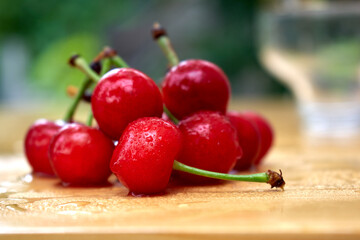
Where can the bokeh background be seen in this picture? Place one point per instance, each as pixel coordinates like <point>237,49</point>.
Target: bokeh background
<point>38,37</point>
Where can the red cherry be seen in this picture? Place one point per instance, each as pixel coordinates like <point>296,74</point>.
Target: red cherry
<point>144,156</point>
<point>266,134</point>
<point>37,142</point>
<point>80,155</point>
<point>249,139</point>
<point>209,143</point>
<point>122,96</point>
<point>195,85</point>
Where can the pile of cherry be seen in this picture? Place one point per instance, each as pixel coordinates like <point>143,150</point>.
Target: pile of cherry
<point>145,135</point>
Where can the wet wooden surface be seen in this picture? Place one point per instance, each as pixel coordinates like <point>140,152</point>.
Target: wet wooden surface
<point>321,198</point>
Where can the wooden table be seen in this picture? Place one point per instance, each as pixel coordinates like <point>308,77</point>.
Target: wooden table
<point>321,198</point>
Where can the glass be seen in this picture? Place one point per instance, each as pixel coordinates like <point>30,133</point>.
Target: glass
<point>314,48</point>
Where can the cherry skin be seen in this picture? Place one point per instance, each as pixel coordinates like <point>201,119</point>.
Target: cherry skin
<point>80,155</point>
<point>209,143</point>
<point>249,139</point>
<point>266,134</point>
<point>144,156</point>
<point>195,85</point>
<point>122,96</point>
<point>37,142</point>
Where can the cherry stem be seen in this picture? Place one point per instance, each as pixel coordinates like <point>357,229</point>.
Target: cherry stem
<point>70,112</point>
<point>170,115</point>
<point>90,119</point>
<point>114,57</point>
<point>160,36</point>
<point>273,178</point>
<point>119,62</point>
<point>77,61</point>
<point>82,65</point>
<point>106,66</point>
<point>109,53</point>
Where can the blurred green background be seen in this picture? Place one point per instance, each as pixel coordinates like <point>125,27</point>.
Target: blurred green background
<point>37,38</point>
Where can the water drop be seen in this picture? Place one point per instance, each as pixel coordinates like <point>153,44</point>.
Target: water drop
<point>149,138</point>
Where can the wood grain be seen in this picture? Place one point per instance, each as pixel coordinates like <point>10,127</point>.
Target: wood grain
<point>321,198</point>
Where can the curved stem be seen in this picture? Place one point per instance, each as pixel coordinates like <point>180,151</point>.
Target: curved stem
<point>82,65</point>
<point>271,177</point>
<point>170,115</point>
<point>70,112</point>
<point>92,77</point>
<point>257,177</point>
<point>110,53</point>
<point>159,34</point>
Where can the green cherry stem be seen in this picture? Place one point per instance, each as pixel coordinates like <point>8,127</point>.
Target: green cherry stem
<point>90,119</point>
<point>160,36</point>
<point>92,77</point>
<point>119,62</point>
<point>273,178</point>
<point>70,112</point>
<point>106,66</point>
<point>76,60</point>
<point>114,57</point>
<point>81,64</point>
<point>170,115</point>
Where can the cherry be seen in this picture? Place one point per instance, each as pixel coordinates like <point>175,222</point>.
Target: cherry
<point>37,141</point>
<point>195,85</point>
<point>122,96</point>
<point>80,155</point>
<point>210,143</point>
<point>266,134</point>
<point>144,156</point>
<point>108,56</point>
<point>191,85</point>
<point>249,139</point>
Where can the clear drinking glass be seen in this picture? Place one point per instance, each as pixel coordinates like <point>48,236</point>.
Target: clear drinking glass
<point>314,48</point>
